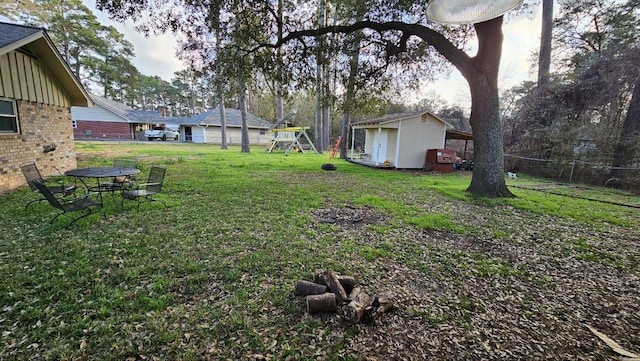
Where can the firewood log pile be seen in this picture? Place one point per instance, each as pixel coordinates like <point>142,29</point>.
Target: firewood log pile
<point>333,293</point>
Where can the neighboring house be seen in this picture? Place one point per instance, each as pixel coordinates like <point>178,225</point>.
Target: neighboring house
<point>400,140</point>
<point>37,90</point>
<point>108,119</point>
<point>206,128</point>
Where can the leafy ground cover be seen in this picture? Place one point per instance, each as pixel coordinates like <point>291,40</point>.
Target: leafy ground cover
<point>212,275</point>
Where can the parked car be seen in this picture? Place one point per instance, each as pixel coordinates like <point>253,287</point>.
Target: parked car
<point>161,133</point>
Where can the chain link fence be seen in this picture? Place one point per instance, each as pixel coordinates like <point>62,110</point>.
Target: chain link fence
<point>576,171</point>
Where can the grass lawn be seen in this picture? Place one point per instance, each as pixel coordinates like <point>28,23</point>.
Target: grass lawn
<point>212,275</point>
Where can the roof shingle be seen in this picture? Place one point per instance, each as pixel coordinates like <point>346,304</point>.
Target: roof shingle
<point>10,33</point>
<point>212,117</point>
<point>131,115</point>
<point>209,117</point>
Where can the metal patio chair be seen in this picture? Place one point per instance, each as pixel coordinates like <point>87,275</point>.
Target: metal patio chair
<point>84,204</point>
<point>122,182</point>
<point>145,192</point>
<point>32,174</point>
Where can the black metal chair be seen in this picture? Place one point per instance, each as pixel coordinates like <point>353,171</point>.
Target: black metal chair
<point>145,192</point>
<point>122,182</point>
<point>32,174</point>
<point>84,204</point>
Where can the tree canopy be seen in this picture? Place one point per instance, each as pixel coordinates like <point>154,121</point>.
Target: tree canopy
<point>589,109</point>
<point>397,32</point>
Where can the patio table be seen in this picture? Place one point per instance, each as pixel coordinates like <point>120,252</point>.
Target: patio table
<point>99,174</point>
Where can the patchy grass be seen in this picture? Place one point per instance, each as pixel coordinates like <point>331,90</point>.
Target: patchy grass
<point>211,276</point>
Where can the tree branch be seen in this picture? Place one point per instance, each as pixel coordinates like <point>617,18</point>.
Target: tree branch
<point>455,55</point>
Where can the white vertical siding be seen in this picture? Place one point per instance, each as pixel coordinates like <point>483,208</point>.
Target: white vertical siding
<point>234,136</point>
<point>419,134</point>
<point>95,113</point>
<point>24,78</point>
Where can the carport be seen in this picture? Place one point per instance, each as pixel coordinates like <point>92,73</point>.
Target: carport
<point>459,135</point>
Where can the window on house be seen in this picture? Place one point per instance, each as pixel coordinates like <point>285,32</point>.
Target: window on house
<point>263,132</point>
<point>74,123</point>
<point>8,117</point>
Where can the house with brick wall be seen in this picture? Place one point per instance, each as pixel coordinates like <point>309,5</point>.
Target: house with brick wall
<point>112,120</point>
<point>37,90</point>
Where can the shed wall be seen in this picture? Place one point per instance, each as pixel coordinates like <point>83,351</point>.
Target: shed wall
<point>369,137</point>
<point>392,142</point>
<point>416,136</point>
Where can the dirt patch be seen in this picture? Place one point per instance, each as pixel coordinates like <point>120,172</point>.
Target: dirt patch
<point>528,294</point>
<point>349,217</point>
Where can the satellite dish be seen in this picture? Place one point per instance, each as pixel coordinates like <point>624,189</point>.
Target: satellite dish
<point>468,11</point>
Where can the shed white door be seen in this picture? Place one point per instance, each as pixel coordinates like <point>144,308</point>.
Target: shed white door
<point>380,146</point>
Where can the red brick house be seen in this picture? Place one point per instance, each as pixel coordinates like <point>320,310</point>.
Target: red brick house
<point>110,120</point>
<point>37,90</point>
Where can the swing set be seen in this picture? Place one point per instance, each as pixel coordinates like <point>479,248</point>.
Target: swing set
<point>290,138</point>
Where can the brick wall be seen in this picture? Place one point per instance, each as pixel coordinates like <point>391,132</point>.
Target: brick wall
<point>40,125</point>
<point>102,130</point>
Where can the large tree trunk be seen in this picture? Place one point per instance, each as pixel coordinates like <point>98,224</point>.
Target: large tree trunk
<point>223,123</point>
<point>488,170</point>
<point>481,72</point>
<point>318,125</point>
<point>627,143</point>
<point>544,59</point>
<point>320,146</point>
<point>220,90</point>
<point>351,91</point>
<point>326,122</point>
<point>242,104</point>
<point>279,104</point>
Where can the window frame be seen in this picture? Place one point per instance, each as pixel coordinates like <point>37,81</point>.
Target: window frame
<point>8,116</point>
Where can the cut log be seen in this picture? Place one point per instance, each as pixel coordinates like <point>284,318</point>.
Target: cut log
<point>330,279</point>
<point>305,288</point>
<point>355,310</point>
<point>382,303</point>
<point>325,302</point>
<point>347,282</point>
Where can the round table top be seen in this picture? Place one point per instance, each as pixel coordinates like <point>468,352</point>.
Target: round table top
<point>102,172</point>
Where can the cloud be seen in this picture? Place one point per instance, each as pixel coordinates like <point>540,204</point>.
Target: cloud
<point>521,40</point>
<point>154,55</point>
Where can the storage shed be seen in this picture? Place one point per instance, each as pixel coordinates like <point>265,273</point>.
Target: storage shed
<point>399,140</point>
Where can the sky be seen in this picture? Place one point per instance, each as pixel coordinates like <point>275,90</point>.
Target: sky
<point>521,40</point>
<point>155,55</point>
